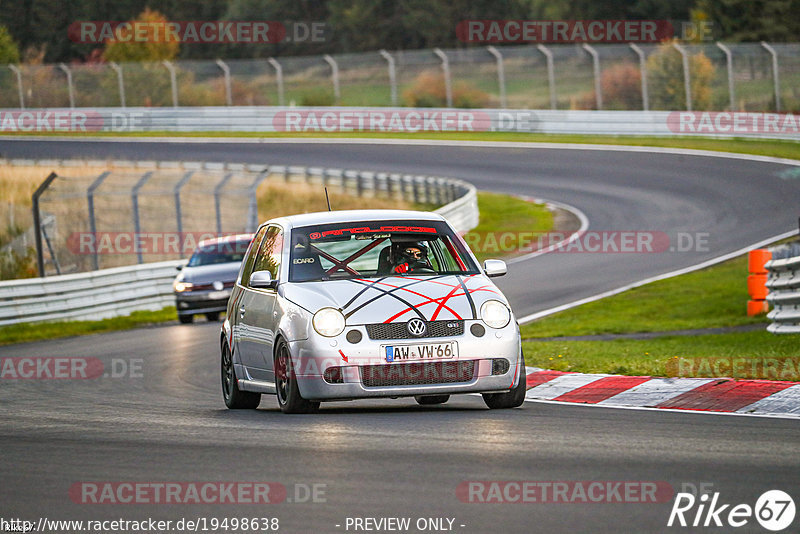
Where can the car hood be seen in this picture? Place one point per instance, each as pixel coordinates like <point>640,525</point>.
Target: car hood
<point>396,298</point>
<point>208,274</point>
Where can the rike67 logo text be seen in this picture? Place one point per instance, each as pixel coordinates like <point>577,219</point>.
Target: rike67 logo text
<point>774,510</point>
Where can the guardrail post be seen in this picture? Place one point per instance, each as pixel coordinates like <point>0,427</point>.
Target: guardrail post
<point>687,80</point>
<point>173,80</point>
<point>551,73</point>
<point>279,78</point>
<point>392,74</point>
<point>501,74</point>
<point>729,65</point>
<point>448,88</point>
<point>70,91</point>
<point>37,221</point>
<point>226,72</point>
<point>775,74</point>
<point>643,75</point>
<point>334,77</point>
<point>177,195</point>
<point>92,222</point>
<point>598,87</point>
<point>217,201</point>
<point>252,207</point>
<point>120,82</point>
<point>16,70</point>
<point>135,204</point>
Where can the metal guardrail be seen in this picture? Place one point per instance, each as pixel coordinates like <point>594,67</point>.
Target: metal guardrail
<point>783,283</point>
<point>121,290</point>
<point>404,120</point>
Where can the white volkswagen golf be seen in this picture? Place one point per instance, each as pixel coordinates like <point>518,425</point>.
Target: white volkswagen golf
<point>377,303</point>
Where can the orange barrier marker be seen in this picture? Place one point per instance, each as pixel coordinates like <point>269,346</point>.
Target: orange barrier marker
<point>757,281</point>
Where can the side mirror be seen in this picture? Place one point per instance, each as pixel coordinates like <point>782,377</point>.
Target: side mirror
<point>263,280</point>
<point>179,267</point>
<point>494,268</point>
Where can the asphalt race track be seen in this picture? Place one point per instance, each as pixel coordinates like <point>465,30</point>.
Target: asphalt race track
<point>165,421</point>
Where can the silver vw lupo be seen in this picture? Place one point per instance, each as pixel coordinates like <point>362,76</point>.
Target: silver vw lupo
<point>376,303</point>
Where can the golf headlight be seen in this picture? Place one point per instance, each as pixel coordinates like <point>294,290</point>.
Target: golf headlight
<point>328,322</point>
<point>495,314</point>
<point>182,286</point>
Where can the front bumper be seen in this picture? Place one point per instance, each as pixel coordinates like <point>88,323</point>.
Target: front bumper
<point>191,302</point>
<point>312,357</point>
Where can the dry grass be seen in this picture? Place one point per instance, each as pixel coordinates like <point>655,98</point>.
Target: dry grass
<point>277,199</point>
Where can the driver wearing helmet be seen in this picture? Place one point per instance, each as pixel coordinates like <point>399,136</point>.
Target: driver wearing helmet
<point>409,257</point>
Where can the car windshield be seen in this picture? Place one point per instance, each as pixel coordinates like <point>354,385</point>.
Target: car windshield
<point>377,248</point>
<point>221,252</point>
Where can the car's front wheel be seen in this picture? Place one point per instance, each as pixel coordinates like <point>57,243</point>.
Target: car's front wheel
<point>510,399</point>
<point>289,398</point>
<point>186,319</point>
<point>426,400</point>
<point>235,398</point>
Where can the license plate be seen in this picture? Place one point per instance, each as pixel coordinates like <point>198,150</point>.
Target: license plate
<point>219,295</point>
<point>427,351</point>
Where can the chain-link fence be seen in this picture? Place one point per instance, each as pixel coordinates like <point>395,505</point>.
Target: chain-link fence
<point>669,76</point>
<point>126,216</point>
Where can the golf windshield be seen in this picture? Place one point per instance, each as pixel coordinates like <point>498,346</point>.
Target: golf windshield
<point>377,248</point>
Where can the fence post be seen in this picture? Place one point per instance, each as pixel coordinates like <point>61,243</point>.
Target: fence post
<point>120,82</point>
<point>334,77</point>
<point>173,80</point>
<point>177,194</point>
<point>551,74</point>
<point>279,78</point>
<point>775,75</point>
<point>70,91</point>
<point>448,88</point>
<point>643,75</point>
<point>501,74</point>
<point>92,222</point>
<point>729,65</point>
<point>20,89</point>
<point>687,81</point>
<point>392,74</point>
<point>598,87</point>
<point>252,208</point>
<point>218,203</point>
<point>227,73</point>
<point>135,204</point>
<point>37,221</point>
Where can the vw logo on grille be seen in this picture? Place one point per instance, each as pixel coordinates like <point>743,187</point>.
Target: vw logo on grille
<point>217,285</point>
<point>416,327</point>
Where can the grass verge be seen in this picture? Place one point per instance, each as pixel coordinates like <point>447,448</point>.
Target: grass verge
<point>712,297</point>
<point>39,331</point>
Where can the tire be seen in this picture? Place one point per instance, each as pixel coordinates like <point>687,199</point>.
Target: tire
<point>212,317</point>
<point>186,319</point>
<point>234,398</point>
<point>511,399</point>
<point>426,400</point>
<point>288,393</point>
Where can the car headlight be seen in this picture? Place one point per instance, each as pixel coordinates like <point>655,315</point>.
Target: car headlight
<point>495,314</point>
<point>328,322</point>
<point>180,287</point>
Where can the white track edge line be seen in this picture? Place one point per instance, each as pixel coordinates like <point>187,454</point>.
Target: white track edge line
<point>671,274</point>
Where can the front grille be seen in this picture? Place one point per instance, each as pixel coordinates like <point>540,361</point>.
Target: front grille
<point>413,374</point>
<point>399,330</point>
